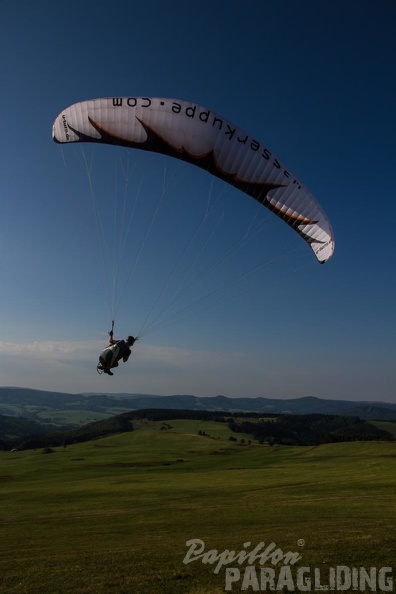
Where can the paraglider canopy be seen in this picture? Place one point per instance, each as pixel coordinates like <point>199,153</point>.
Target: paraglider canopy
<point>199,136</point>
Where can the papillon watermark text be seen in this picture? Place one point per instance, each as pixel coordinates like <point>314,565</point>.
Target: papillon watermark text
<point>261,554</point>
<point>267,568</point>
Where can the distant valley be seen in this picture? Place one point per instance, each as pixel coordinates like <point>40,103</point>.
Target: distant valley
<point>65,410</point>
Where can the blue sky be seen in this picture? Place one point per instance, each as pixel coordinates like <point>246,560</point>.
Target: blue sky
<point>314,81</point>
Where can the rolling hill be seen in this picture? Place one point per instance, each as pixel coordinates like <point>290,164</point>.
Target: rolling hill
<point>312,429</point>
<point>62,409</point>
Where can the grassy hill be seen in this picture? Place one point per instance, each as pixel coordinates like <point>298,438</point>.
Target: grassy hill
<point>271,429</point>
<point>114,514</point>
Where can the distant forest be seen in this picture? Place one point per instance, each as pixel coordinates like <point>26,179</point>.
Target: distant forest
<point>284,429</point>
<point>310,430</point>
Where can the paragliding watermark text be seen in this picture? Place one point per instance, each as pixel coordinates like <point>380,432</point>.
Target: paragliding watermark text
<point>269,569</point>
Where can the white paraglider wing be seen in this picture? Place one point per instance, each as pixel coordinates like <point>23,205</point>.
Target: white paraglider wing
<point>199,136</point>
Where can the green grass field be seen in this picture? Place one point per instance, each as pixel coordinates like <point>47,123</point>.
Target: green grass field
<point>114,515</point>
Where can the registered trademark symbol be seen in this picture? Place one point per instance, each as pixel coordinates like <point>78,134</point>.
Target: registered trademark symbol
<point>301,542</point>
